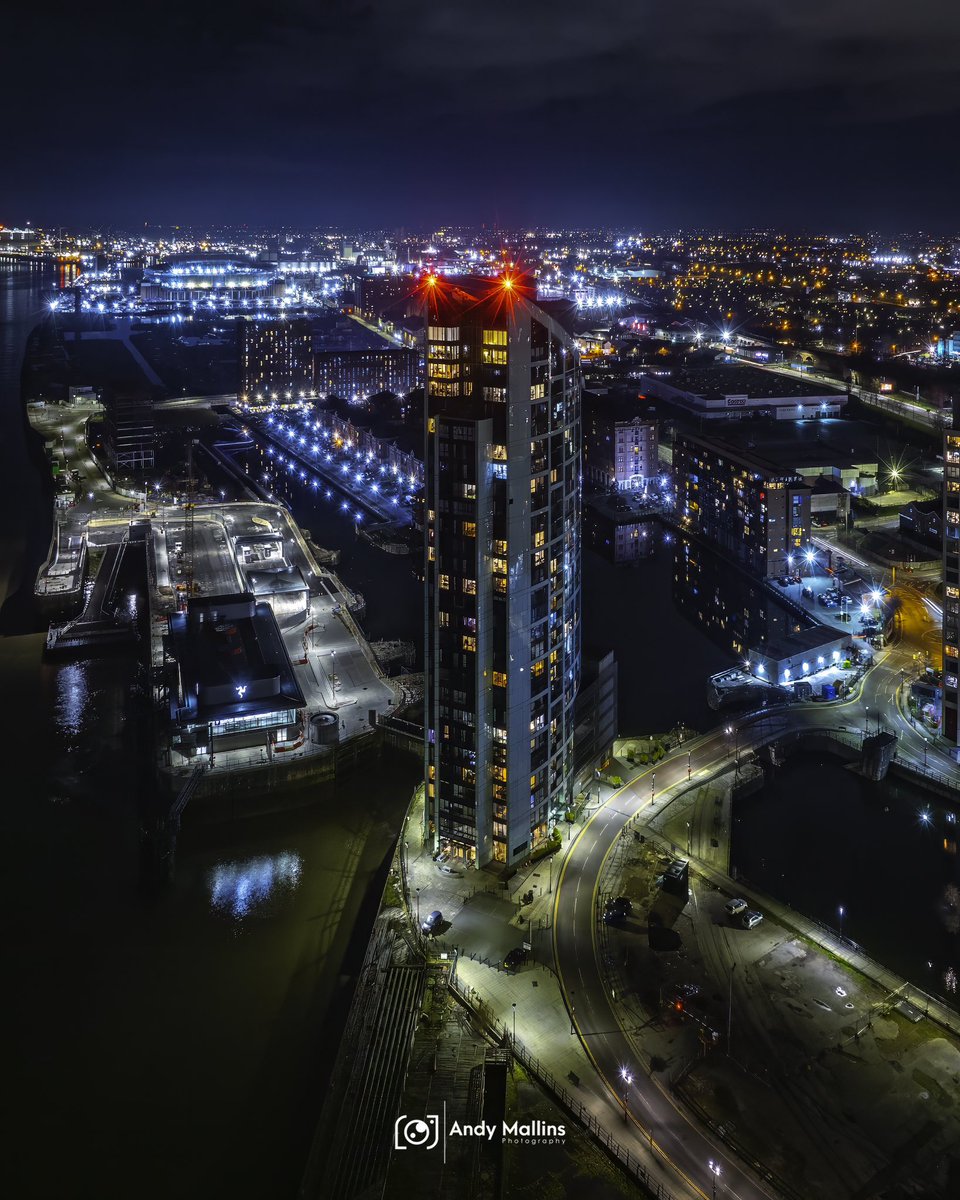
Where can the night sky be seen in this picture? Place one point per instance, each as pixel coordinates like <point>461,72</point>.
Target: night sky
<point>828,114</point>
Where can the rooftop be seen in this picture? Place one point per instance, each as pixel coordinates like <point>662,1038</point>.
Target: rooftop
<point>232,659</point>
<point>276,581</point>
<point>805,641</point>
<point>800,444</point>
<point>745,455</point>
<point>719,381</point>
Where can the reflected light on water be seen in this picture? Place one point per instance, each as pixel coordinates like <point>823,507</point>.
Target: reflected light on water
<point>240,888</point>
<point>73,696</point>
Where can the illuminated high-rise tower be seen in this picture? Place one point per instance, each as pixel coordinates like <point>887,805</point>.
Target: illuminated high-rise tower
<point>502,521</point>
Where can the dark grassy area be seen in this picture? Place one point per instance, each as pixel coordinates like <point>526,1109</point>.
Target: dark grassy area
<point>189,370</point>
<point>104,364</point>
<point>577,1170</point>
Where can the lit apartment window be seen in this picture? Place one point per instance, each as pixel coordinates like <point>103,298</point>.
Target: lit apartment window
<point>494,337</point>
<point>500,679</point>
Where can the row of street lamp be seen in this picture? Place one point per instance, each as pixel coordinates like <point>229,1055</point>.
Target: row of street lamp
<point>626,1079</point>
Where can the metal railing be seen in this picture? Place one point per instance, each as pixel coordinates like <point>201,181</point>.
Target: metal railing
<point>576,1108</point>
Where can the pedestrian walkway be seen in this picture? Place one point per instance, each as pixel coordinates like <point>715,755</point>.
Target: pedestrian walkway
<point>482,920</point>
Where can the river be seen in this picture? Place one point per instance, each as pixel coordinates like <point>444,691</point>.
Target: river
<point>159,1044</point>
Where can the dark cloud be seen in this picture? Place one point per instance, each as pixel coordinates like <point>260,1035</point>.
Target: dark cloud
<point>408,111</point>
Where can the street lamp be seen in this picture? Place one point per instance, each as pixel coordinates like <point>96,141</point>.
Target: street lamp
<point>514,1022</point>
<point>689,767</point>
<point>715,1172</point>
<point>653,784</point>
<point>418,908</point>
<point>840,911</point>
<point>627,1080</point>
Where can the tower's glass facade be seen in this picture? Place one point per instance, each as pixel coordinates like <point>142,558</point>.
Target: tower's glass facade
<point>502,594</point>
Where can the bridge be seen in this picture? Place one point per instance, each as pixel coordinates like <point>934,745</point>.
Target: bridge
<point>99,625</point>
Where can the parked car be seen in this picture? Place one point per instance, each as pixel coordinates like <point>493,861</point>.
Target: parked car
<point>751,918</point>
<point>433,922</point>
<point>735,907</point>
<point>515,958</point>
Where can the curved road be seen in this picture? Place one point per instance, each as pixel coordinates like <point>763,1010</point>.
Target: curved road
<point>678,1140</point>
<point>684,1145</point>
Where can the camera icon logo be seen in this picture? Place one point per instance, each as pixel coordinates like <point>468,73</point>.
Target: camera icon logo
<point>416,1133</point>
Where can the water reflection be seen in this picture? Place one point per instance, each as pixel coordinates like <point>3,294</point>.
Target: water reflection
<point>734,611</point>
<point>619,539</point>
<point>818,833</point>
<point>73,698</point>
<point>240,889</point>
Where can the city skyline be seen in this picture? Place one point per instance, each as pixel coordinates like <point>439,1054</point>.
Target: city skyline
<point>279,475</point>
<point>480,599</point>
